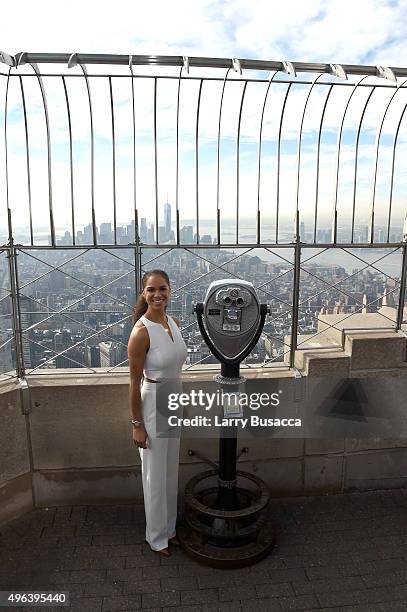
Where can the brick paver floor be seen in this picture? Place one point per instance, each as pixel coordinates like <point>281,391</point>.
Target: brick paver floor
<point>340,552</point>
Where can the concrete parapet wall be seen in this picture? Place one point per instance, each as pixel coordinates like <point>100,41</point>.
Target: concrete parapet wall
<point>74,445</point>
<point>15,469</point>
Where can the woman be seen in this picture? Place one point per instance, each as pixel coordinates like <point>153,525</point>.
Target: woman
<point>156,350</point>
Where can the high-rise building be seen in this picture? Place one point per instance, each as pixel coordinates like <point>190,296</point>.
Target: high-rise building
<point>162,234</point>
<point>187,234</point>
<point>105,233</point>
<point>66,239</point>
<point>56,281</point>
<point>167,220</point>
<point>110,353</point>
<point>143,229</point>
<point>88,233</point>
<point>6,356</point>
<point>150,234</point>
<point>62,341</point>
<point>130,232</point>
<point>92,356</point>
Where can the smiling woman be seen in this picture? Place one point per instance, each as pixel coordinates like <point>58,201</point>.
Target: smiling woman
<point>156,351</point>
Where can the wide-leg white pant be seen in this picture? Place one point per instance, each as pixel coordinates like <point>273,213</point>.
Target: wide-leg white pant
<point>160,462</point>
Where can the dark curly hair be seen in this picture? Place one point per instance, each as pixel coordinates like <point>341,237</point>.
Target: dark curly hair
<point>140,306</point>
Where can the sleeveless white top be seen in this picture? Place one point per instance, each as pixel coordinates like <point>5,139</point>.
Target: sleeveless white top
<point>165,357</point>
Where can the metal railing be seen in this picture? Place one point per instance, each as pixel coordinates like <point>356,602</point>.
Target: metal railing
<point>285,165</point>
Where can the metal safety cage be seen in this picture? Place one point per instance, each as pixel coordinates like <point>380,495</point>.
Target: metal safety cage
<point>295,182</point>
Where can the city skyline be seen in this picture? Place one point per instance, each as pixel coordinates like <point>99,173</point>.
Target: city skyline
<point>57,313</point>
<point>125,232</point>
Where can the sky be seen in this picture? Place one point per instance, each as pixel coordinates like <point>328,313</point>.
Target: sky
<point>340,31</point>
<point>327,31</point>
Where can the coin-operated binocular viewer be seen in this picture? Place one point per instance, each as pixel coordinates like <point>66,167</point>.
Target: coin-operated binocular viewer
<point>226,526</point>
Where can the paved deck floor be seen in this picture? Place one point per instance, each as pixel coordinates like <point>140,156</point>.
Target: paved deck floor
<point>341,552</point>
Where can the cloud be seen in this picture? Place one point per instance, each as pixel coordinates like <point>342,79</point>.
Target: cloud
<point>330,31</point>
<point>128,26</point>
<point>316,30</point>
<point>338,31</point>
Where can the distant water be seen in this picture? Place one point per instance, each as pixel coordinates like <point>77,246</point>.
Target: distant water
<point>391,264</point>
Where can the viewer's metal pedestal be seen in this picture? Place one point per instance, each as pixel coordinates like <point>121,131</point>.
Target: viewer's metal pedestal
<point>227,525</point>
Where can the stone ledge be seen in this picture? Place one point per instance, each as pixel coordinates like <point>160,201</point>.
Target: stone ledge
<point>75,377</point>
<point>325,362</point>
<point>375,349</point>
<point>333,326</point>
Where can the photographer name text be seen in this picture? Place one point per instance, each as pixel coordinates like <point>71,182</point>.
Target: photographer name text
<point>243,422</point>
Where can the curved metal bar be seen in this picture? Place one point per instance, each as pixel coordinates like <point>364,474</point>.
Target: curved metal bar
<point>356,163</point>
<point>113,160</point>
<point>68,111</point>
<point>27,152</point>
<point>279,158</point>
<point>311,87</point>
<point>177,160</point>
<point>205,62</point>
<point>259,159</point>
<point>45,105</point>
<point>10,229</point>
<point>338,154</point>
<point>155,160</point>
<point>218,157</point>
<point>377,145</point>
<point>392,171</point>
<point>238,161</point>
<point>92,154</point>
<point>197,161</point>
<point>318,158</point>
<point>134,144</point>
<point>137,251</point>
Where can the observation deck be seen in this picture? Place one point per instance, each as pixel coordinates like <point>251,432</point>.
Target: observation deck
<point>113,165</point>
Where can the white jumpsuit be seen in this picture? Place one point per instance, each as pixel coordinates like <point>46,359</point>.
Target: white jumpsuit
<point>160,460</point>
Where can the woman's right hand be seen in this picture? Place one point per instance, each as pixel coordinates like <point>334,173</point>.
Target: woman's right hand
<point>140,436</point>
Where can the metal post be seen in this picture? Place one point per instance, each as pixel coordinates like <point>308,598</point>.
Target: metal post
<point>400,312</point>
<point>296,293</point>
<point>16,319</point>
<point>137,257</point>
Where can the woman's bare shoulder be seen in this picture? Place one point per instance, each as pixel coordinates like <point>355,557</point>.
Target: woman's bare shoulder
<point>176,320</point>
<point>139,336</point>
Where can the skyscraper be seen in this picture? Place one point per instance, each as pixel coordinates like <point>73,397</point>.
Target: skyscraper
<point>143,229</point>
<point>167,220</point>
